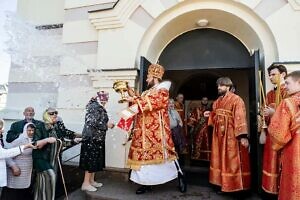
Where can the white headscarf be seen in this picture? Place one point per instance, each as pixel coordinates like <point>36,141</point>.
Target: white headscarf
<point>22,139</point>
<point>24,134</point>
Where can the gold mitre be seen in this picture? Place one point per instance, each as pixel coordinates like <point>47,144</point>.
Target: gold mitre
<point>156,71</point>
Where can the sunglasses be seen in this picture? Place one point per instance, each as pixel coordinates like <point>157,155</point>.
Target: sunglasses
<point>53,113</point>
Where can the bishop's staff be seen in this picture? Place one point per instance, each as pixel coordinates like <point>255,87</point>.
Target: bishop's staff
<point>278,96</point>
<point>262,99</point>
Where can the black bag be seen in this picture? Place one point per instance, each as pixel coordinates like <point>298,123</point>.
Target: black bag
<point>182,185</point>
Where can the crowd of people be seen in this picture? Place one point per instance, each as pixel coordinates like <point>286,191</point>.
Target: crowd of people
<point>31,152</point>
<point>218,133</point>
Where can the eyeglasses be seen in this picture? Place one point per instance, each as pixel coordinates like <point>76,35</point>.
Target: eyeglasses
<point>53,113</point>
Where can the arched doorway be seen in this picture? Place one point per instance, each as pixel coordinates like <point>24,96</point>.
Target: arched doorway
<point>232,17</point>
<point>196,59</point>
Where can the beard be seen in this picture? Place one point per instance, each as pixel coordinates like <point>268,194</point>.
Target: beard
<point>221,92</point>
<point>150,84</point>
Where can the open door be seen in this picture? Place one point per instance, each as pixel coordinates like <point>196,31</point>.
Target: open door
<point>144,64</point>
<point>256,152</point>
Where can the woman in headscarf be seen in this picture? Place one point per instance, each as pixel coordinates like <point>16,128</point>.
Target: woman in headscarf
<point>45,157</point>
<point>8,153</point>
<point>92,157</point>
<point>20,168</point>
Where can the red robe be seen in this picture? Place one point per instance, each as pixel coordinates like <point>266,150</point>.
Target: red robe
<point>284,131</point>
<point>152,141</point>
<point>229,165</point>
<point>179,107</point>
<point>201,139</point>
<point>270,173</point>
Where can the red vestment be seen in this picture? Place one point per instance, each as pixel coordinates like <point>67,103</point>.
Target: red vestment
<point>201,139</point>
<point>179,107</point>
<point>284,131</point>
<point>229,165</point>
<point>270,173</point>
<point>152,141</point>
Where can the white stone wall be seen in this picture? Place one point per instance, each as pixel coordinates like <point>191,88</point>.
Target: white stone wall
<point>41,12</point>
<point>3,98</point>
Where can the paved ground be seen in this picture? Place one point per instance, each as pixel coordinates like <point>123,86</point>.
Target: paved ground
<point>117,187</point>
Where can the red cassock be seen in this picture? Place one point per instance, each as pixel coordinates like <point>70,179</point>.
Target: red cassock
<point>179,107</point>
<point>271,158</point>
<point>284,131</point>
<point>229,165</point>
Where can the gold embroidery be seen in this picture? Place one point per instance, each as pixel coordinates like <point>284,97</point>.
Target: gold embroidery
<point>139,104</point>
<point>149,103</point>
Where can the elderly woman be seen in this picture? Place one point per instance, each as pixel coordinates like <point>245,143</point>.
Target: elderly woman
<point>92,157</point>
<point>19,174</point>
<point>7,153</point>
<point>45,157</point>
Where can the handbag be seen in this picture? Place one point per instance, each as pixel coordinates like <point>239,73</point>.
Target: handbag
<point>182,185</point>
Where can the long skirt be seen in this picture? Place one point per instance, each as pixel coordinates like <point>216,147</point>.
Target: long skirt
<point>92,155</point>
<point>45,185</point>
<point>16,194</point>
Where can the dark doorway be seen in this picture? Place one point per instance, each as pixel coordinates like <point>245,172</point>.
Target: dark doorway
<point>193,62</point>
<point>205,49</point>
<point>195,85</point>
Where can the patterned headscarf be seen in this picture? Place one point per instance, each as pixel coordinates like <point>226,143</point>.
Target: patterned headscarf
<point>103,96</point>
<point>46,117</point>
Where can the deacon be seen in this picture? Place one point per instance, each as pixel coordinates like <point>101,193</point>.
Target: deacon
<point>152,155</point>
<point>179,106</point>
<point>284,131</point>
<point>229,164</point>
<point>270,173</point>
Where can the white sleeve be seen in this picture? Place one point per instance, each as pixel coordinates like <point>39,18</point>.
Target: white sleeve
<point>10,162</point>
<point>17,142</point>
<point>178,117</point>
<point>7,153</point>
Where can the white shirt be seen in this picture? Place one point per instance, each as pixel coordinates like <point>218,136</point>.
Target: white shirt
<point>7,153</point>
